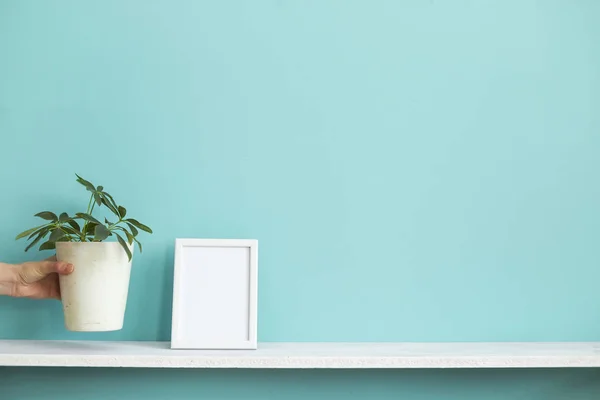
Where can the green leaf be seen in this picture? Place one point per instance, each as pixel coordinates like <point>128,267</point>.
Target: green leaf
<point>110,206</point>
<point>139,244</point>
<point>107,221</point>
<point>49,245</point>
<point>88,185</point>
<point>28,232</point>
<point>98,199</point>
<point>113,204</point>
<point>70,230</point>
<point>124,245</point>
<point>37,239</point>
<point>101,233</point>
<point>88,218</point>
<point>64,217</point>
<point>74,224</point>
<point>122,212</point>
<point>89,229</point>
<point>134,230</point>
<point>47,215</point>
<point>44,228</point>
<point>56,234</point>
<point>100,188</point>
<point>139,225</point>
<point>129,236</point>
<point>109,197</point>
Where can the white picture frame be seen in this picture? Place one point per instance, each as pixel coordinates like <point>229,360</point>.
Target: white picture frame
<point>215,294</point>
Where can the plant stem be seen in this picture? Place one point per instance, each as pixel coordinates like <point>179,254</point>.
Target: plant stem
<point>90,203</point>
<point>67,233</point>
<point>89,211</point>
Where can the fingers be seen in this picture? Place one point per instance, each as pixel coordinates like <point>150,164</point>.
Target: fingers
<point>48,267</point>
<point>63,268</point>
<point>54,291</point>
<point>34,271</point>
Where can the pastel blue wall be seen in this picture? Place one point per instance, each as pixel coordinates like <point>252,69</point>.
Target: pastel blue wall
<point>413,171</point>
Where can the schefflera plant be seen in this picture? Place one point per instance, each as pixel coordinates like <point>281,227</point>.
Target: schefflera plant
<point>66,228</point>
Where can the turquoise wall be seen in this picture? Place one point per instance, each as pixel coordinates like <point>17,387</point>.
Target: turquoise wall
<point>413,171</point>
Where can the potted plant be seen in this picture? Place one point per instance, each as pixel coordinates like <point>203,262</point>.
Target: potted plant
<point>94,296</point>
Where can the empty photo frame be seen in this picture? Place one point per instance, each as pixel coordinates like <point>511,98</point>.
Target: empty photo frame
<point>215,294</point>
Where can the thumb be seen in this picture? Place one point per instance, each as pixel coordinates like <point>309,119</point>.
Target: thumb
<point>34,271</point>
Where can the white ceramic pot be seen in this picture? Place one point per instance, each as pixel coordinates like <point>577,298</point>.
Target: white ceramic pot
<point>94,295</point>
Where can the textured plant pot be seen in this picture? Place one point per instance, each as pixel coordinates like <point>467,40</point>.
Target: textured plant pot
<point>94,295</point>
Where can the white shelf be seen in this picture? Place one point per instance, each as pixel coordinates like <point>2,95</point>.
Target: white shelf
<point>300,355</point>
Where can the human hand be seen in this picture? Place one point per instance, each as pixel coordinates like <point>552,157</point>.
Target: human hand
<point>39,279</point>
